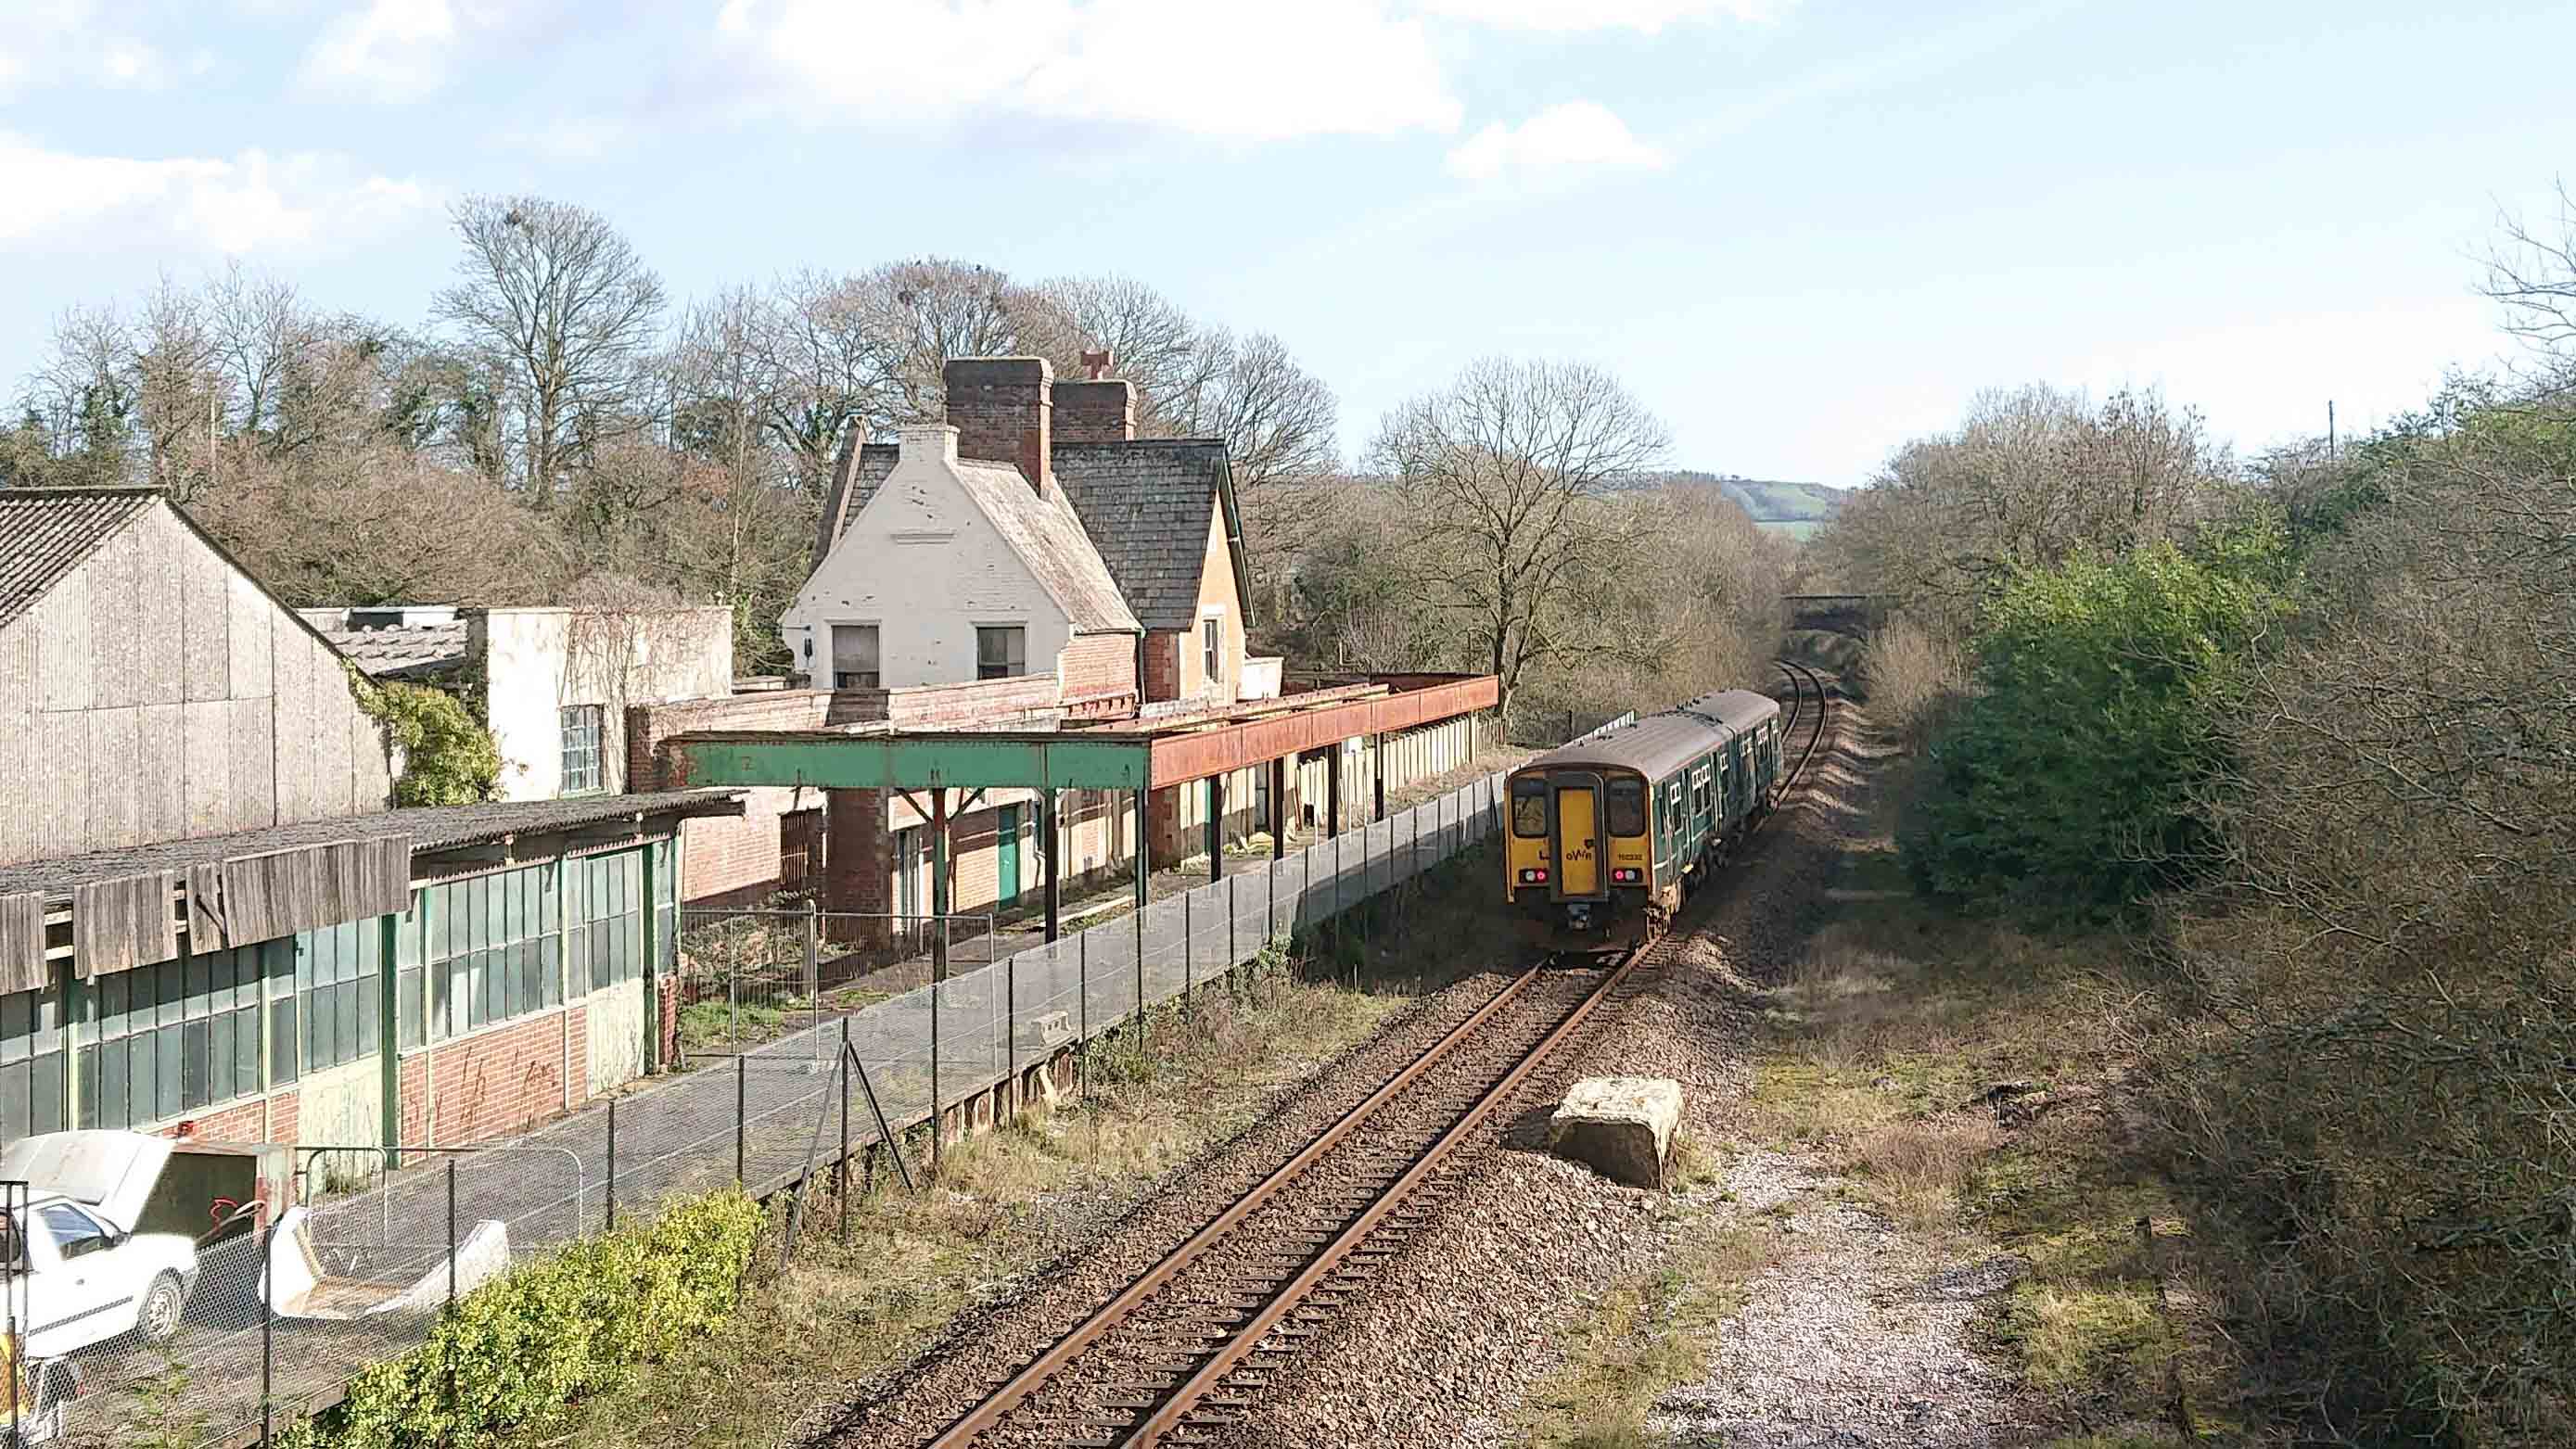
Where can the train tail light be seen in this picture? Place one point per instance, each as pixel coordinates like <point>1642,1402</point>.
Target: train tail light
<point>1627,875</point>
<point>1536,875</point>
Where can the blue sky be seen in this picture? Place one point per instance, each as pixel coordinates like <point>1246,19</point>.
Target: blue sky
<point>1802,230</point>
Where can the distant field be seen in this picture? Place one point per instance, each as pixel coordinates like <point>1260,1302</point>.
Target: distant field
<point>1800,529</point>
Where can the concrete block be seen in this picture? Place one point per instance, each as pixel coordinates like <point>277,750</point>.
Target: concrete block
<point>1621,1126</point>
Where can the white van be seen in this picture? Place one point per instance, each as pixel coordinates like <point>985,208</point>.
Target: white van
<point>77,1271</point>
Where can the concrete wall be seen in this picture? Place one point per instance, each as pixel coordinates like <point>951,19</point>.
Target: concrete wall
<point>155,693</point>
<point>924,565</point>
<point>537,662</point>
<point>614,1019</point>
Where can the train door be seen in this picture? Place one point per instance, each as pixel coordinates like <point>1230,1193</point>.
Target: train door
<point>1579,846</point>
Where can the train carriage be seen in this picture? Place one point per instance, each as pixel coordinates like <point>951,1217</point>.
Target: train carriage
<point>1606,837</point>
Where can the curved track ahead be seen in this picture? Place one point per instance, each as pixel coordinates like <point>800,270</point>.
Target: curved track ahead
<point>1174,1357</point>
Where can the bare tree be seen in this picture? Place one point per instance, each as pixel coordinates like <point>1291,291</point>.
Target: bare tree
<point>919,314</point>
<point>824,370</point>
<point>1277,419</point>
<point>566,310</point>
<point>260,327</point>
<point>1503,469</point>
<point>2531,273</point>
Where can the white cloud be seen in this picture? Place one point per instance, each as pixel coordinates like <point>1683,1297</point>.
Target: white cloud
<point>246,203</point>
<point>1578,135</point>
<point>1248,71</point>
<point>59,42</point>
<point>1561,15</point>
<point>393,50</point>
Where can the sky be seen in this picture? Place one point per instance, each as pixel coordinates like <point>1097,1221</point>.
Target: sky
<point>1802,231</point>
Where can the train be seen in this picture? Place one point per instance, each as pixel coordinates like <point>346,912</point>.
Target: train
<point>1607,836</point>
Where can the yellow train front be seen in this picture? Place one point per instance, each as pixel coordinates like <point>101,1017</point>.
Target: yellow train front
<point>1607,837</point>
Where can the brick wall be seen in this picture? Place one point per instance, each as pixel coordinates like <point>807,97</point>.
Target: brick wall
<point>857,874</point>
<point>1163,651</point>
<point>273,1120</point>
<point>977,702</point>
<point>1097,668</point>
<point>497,1081</point>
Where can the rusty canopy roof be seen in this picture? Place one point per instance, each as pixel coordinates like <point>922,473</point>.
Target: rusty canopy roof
<point>1128,755</point>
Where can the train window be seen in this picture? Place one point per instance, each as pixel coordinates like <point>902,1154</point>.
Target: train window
<point>1529,808</point>
<point>1627,807</point>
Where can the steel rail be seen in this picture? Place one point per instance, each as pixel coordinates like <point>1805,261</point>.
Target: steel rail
<point>1007,1399</point>
<point>1247,1339</point>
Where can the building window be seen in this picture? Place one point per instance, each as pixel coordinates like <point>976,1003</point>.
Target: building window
<point>1212,649</point>
<point>31,1063</point>
<point>1001,653</point>
<point>338,971</point>
<point>854,656</point>
<point>605,911</point>
<point>580,724</point>
<point>490,954</point>
<point>178,1036</point>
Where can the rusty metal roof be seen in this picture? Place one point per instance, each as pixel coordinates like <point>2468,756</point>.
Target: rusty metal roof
<point>45,533</point>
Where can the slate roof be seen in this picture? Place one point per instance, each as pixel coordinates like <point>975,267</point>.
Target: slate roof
<point>45,533</point>
<point>856,475</point>
<point>1149,503</point>
<point>1049,537</point>
<point>430,828</point>
<point>1145,503</point>
<point>410,649</point>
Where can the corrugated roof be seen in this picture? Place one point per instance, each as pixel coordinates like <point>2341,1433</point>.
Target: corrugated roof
<point>1660,744</point>
<point>1049,537</point>
<point>1148,503</point>
<point>430,829</point>
<point>45,533</point>
<point>403,649</point>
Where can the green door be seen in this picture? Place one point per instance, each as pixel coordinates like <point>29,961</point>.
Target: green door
<point>1006,840</point>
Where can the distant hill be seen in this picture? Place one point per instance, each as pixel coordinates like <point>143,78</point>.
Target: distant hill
<point>1796,509</point>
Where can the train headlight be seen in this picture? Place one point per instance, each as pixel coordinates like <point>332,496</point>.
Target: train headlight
<point>1627,875</point>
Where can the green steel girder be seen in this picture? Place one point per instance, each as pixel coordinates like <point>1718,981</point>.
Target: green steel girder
<point>874,762</point>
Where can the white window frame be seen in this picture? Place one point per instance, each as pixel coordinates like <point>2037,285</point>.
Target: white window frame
<point>564,727</point>
<point>1212,650</point>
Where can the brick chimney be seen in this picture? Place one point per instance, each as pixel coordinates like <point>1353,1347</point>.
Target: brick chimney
<point>1000,407</point>
<point>1102,410</point>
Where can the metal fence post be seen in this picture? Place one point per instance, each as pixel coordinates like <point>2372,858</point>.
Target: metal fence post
<point>1233,903</point>
<point>937,1123</point>
<point>1140,965</point>
<point>841,1164</point>
<point>1082,975</point>
<point>1011,1029</point>
<point>813,962</point>
<point>268,1329</point>
<point>1188,939</point>
<point>451,1280</point>
<point>612,1164</point>
<point>741,1110</point>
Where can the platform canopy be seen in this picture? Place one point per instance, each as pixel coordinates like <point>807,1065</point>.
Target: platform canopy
<point>1177,750</point>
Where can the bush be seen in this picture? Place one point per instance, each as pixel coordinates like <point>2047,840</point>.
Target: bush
<point>1913,675</point>
<point>448,757</point>
<point>2065,787</point>
<point>520,1349</point>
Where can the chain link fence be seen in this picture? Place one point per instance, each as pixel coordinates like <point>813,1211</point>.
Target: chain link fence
<point>785,1078</point>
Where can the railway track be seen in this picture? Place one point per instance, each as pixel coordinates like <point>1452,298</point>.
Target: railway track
<point>1178,1356</point>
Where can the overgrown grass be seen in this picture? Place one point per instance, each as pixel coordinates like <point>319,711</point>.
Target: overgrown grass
<point>1644,1338</point>
<point>1968,1079</point>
